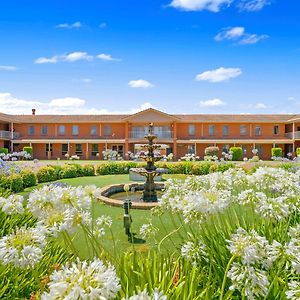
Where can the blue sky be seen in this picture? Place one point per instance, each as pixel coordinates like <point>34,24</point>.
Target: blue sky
<point>180,56</point>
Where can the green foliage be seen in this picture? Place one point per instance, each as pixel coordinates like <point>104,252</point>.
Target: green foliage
<point>69,171</point>
<point>4,150</point>
<point>28,177</point>
<point>298,151</point>
<point>88,170</point>
<point>13,182</point>
<point>28,150</point>
<point>276,152</point>
<point>46,174</point>
<point>237,153</point>
<point>201,168</point>
<point>212,151</point>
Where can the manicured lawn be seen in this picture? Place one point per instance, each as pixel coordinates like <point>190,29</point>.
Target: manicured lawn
<point>165,224</point>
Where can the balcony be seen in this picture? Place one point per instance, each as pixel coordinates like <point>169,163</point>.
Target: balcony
<point>160,135</point>
<point>290,135</point>
<point>7,135</point>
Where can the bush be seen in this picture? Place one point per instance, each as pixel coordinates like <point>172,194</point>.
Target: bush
<point>237,153</point>
<point>212,151</point>
<point>4,150</point>
<point>28,150</point>
<point>88,170</point>
<point>46,174</point>
<point>298,151</point>
<point>276,152</point>
<point>201,168</point>
<point>71,171</point>
<point>28,177</point>
<point>14,183</point>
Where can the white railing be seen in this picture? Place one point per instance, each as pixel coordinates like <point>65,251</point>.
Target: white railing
<point>7,135</point>
<point>290,135</point>
<point>160,135</point>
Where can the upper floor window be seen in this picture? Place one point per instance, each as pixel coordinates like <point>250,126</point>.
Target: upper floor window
<point>243,130</point>
<point>225,130</point>
<point>192,129</point>
<point>75,129</point>
<point>276,129</point>
<point>31,130</point>
<point>44,130</point>
<point>211,129</point>
<point>257,130</point>
<point>93,130</point>
<point>107,130</point>
<point>61,129</point>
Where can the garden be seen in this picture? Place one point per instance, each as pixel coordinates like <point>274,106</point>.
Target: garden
<point>222,231</point>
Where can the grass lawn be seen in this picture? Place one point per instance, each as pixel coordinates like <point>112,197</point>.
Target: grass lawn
<point>165,224</point>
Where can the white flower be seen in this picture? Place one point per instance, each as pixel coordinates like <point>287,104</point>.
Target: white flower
<point>156,295</point>
<point>12,205</point>
<point>251,282</point>
<point>101,222</point>
<point>83,280</point>
<point>23,248</point>
<point>194,252</point>
<point>147,230</point>
<point>293,292</point>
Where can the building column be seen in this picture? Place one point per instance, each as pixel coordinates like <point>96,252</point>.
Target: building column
<point>12,137</point>
<point>87,151</point>
<point>49,152</point>
<point>195,149</point>
<point>126,141</point>
<point>175,140</point>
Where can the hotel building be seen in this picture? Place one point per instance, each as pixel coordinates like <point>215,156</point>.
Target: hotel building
<point>52,136</point>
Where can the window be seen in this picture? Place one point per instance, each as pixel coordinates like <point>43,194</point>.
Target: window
<point>61,129</point>
<point>106,130</point>
<point>94,130</point>
<point>192,129</point>
<point>78,149</point>
<point>44,130</point>
<point>276,129</point>
<point>225,130</point>
<point>257,130</point>
<point>243,130</point>
<point>31,130</point>
<point>259,150</point>
<point>191,149</point>
<point>119,149</point>
<point>64,149</point>
<point>95,149</point>
<point>49,148</point>
<point>225,148</point>
<point>244,148</point>
<point>75,130</point>
<point>298,128</point>
<point>211,129</point>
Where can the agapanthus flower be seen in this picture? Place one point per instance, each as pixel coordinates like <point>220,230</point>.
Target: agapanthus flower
<point>101,223</point>
<point>23,248</point>
<point>147,230</point>
<point>83,280</point>
<point>13,204</point>
<point>194,252</point>
<point>293,293</point>
<point>144,295</point>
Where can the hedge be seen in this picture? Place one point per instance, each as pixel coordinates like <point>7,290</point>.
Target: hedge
<point>237,153</point>
<point>14,183</point>
<point>4,150</point>
<point>276,152</point>
<point>46,174</point>
<point>298,151</point>
<point>28,150</point>
<point>28,177</point>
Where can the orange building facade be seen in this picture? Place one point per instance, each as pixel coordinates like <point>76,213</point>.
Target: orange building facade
<point>87,136</point>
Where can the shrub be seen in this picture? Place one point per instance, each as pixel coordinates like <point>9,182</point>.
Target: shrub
<point>225,167</point>
<point>276,152</point>
<point>298,151</point>
<point>14,183</point>
<point>28,150</point>
<point>212,151</point>
<point>237,153</point>
<point>28,177</point>
<point>4,150</point>
<point>88,170</point>
<point>46,174</point>
<point>201,168</point>
<point>57,170</point>
<point>69,171</point>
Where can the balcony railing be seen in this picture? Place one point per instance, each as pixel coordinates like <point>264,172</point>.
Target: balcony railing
<point>7,135</point>
<point>296,135</point>
<point>160,135</point>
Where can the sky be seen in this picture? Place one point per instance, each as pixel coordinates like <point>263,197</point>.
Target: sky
<point>122,56</point>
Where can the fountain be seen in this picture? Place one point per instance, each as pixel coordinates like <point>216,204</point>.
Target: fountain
<point>150,171</point>
<point>143,196</point>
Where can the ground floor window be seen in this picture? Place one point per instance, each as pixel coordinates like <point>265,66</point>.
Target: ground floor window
<point>78,149</point>
<point>191,149</point>
<point>49,148</point>
<point>64,149</point>
<point>95,149</point>
<point>225,148</point>
<point>119,149</point>
<point>244,147</point>
<point>259,150</point>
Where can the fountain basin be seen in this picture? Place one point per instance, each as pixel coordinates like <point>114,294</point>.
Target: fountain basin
<point>108,195</point>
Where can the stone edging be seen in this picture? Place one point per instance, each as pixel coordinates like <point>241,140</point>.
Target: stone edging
<point>114,188</point>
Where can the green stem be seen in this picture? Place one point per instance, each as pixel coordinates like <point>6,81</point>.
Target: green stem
<point>225,276</point>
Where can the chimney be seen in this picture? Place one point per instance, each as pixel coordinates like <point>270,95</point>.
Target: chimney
<point>33,111</point>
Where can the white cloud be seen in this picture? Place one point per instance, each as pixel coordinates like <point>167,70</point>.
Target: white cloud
<point>219,75</point>
<point>107,57</point>
<point>8,68</point>
<point>230,33</point>
<point>240,35</point>
<point>212,103</point>
<point>86,80</point>
<point>103,25</point>
<point>253,5</point>
<point>255,106</point>
<point>68,105</point>
<point>194,5</point>
<point>69,26</point>
<point>70,57</point>
<point>140,83</point>
<point>260,106</point>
